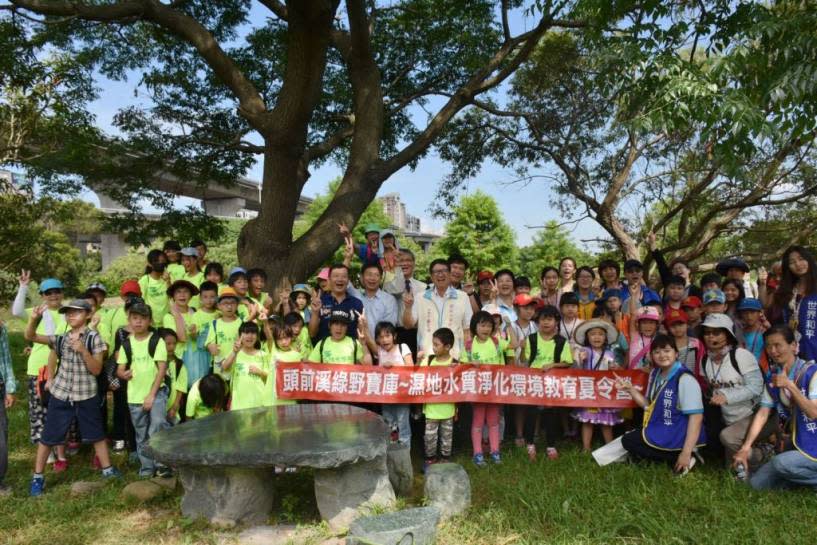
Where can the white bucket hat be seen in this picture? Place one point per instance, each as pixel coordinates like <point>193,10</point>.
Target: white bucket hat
<point>720,321</point>
<point>584,327</point>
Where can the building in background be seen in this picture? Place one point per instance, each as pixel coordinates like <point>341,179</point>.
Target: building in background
<point>395,209</point>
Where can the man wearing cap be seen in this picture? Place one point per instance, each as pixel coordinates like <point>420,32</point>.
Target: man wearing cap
<point>737,269</point>
<point>735,384</point>
<point>73,387</point>
<point>338,298</point>
<point>405,288</point>
<point>441,305</point>
<point>378,305</point>
<point>339,347</point>
<point>634,272</point>
<point>50,323</point>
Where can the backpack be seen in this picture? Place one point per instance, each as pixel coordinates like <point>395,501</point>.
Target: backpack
<point>470,343</point>
<point>153,342</point>
<point>323,341</point>
<point>42,375</point>
<point>700,371</point>
<point>557,351</point>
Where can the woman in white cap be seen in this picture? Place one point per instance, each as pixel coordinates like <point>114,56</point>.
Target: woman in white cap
<point>733,384</point>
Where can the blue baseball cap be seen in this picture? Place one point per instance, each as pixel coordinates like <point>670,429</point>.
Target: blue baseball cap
<point>750,303</point>
<point>236,270</point>
<point>714,296</point>
<point>611,292</point>
<point>50,284</point>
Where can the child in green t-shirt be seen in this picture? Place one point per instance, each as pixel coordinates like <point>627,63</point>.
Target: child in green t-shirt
<point>339,347</point>
<point>207,395</point>
<point>439,430</point>
<point>223,332</point>
<point>142,362</point>
<point>545,350</point>
<point>485,349</point>
<point>199,361</point>
<point>172,250</point>
<point>178,376</point>
<point>281,347</point>
<point>302,341</point>
<point>154,285</point>
<point>249,366</point>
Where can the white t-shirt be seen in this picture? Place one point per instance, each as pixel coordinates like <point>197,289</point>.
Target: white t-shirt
<point>395,356</point>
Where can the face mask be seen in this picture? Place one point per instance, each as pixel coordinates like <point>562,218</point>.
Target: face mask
<point>159,267</point>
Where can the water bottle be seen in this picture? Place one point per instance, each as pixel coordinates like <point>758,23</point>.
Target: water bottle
<point>740,472</point>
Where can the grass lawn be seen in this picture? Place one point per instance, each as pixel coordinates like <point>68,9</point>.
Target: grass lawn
<point>568,501</point>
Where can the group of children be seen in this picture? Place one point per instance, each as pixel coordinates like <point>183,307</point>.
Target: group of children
<point>188,342</point>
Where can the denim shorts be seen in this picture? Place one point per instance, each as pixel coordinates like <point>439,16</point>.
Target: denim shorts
<point>61,413</point>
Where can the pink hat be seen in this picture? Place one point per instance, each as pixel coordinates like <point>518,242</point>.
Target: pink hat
<point>324,274</point>
<point>648,313</point>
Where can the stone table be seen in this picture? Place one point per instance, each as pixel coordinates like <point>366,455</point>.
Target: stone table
<point>226,461</point>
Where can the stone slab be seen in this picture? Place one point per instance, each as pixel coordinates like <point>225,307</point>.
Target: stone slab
<point>448,488</point>
<point>416,526</point>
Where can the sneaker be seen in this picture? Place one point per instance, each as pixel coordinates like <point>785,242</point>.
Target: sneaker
<point>51,458</point>
<point>532,453</point>
<point>111,473</point>
<point>479,460</point>
<point>119,445</point>
<point>291,469</point>
<point>164,472</point>
<point>519,441</point>
<point>60,466</point>
<point>496,458</point>
<point>279,469</point>
<point>37,487</point>
<point>553,454</point>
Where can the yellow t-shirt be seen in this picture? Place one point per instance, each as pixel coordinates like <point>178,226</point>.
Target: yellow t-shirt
<point>154,292</point>
<point>169,322</point>
<point>194,407</point>
<point>545,352</point>
<point>337,351</point>
<point>438,411</point>
<point>224,334</point>
<point>196,280</point>
<point>175,271</point>
<point>288,356</point>
<point>143,366</point>
<point>248,389</point>
<point>178,383</point>
<point>39,352</point>
<point>303,343</point>
<point>488,352</point>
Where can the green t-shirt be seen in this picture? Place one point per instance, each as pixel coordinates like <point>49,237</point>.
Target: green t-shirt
<point>337,351</point>
<point>143,367</point>
<point>204,319</point>
<point>488,352</point>
<point>175,271</point>
<point>224,334</point>
<point>170,323</point>
<point>195,408</point>
<point>439,411</point>
<point>116,319</point>
<point>39,352</point>
<point>178,383</point>
<point>248,389</point>
<point>545,350</point>
<point>303,343</point>
<point>288,356</point>
<point>196,280</point>
<point>154,292</point>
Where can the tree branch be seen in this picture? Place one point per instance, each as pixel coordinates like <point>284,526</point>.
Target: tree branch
<point>276,7</point>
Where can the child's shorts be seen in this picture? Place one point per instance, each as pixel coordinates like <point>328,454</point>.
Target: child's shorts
<point>61,413</point>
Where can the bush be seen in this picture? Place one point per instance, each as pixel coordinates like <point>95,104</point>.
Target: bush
<point>126,267</point>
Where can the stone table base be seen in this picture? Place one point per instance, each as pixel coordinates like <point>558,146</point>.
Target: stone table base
<point>227,494</point>
<point>343,493</point>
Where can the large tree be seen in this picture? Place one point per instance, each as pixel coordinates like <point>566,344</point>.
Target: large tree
<point>298,84</point>
<point>683,135</point>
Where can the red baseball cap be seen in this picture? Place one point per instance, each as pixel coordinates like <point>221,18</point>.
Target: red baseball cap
<point>484,275</point>
<point>523,300</point>
<point>693,301</point>
<point>675,316</point>
<point>130,286</point>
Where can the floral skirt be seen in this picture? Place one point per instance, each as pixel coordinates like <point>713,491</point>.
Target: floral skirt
<point>602,417</point>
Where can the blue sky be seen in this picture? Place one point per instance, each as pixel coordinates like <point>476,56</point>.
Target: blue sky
<point>523,206</point>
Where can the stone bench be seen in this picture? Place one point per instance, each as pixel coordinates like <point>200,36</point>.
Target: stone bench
<point>226,462</point>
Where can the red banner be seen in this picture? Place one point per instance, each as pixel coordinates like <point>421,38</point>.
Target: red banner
<point>462,383</point>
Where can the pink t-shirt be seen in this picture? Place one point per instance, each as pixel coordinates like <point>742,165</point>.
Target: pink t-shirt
<point>394,356</point>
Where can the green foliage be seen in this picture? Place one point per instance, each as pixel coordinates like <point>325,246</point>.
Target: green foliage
<point>130,266</point>
<point>548,247</point>
<point>43,232</point>
<point>223,250</point>
<point>478,232</point>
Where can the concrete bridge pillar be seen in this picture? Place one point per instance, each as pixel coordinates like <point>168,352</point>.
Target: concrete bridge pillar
<point>227,208</point>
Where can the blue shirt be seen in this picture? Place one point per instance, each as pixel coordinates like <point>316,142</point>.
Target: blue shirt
<point>380,308</point>
<point>350,304</point>
<point>648,295</point>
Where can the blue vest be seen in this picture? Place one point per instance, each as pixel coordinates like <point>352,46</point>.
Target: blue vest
<point>804,430</point>
<point>806,326</point>
<point>774,392</point>
<point>665,426</point>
